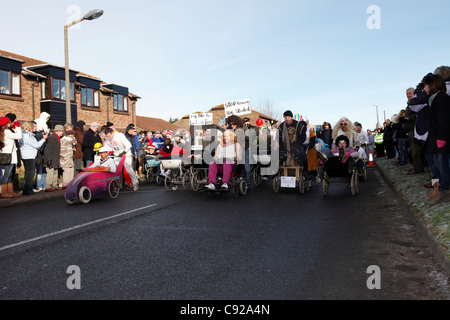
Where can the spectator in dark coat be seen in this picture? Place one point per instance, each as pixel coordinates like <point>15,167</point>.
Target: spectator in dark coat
<point>401,137</point>
<point>90,138</point>
<point>326,134</point>
<point>438,141</point>
<point>389,139</point>
<point>52,152</point>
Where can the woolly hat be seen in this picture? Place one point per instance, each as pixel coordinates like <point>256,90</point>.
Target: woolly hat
<point>11,116</point>
<point>151,147</point>
<point>109,124</point>
<point>4,120</point>
<point>288,113</point>
<point>342,137</point>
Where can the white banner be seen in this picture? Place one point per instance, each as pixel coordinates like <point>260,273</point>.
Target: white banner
<point>200,119</point>
<point>288,182</point>
<point>237,108</point>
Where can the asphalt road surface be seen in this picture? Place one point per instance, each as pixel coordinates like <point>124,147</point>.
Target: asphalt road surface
<point>155,244</point>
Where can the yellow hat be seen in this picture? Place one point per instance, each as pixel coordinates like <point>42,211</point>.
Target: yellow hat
<point>97,146</point>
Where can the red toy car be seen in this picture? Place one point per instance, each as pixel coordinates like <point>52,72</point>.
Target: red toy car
<point>91,183</point>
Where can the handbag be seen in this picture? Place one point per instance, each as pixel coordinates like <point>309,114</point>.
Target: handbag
<point>39,160</point>
<point>5,158</point>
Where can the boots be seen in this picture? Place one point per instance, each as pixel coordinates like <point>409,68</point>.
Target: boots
<point>5,194</point>
<point>444,196</point>
<point>11,191</point>
<point>435,193</point>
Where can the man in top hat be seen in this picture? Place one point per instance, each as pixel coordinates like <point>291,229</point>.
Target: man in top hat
<point>292,135</point>
<point>52,153</point>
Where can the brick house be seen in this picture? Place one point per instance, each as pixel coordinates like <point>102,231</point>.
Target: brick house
<point>219,112</point>
<point>29,87</point>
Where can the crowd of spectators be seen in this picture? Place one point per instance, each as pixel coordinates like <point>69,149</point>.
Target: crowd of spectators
<point>51,158</point>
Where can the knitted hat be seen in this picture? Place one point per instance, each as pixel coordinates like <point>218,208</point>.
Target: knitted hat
<point>109,124</point>
<point>288,113</point>
<point>4,120</point>
<point>11,116</point>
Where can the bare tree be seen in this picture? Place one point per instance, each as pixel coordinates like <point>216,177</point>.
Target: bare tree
<point>268,108</point>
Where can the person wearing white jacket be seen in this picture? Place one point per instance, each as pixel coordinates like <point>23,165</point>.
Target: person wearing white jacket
<point>120,145</point>
<point>10,147</point>
<point>28,149</point>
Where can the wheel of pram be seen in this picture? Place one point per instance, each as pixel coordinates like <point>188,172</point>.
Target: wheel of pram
<point>276,184</point>
<point>243,187</point>
<point>159,179</point>
<point>113,189</point>
<point>150,176</point>
<point>186,179</point>
<point>84,194</point>
<point>325,183</point>
<point>194,177</point>
<point>354,183</point>
<point>256,174</point>
<point>168,181</point>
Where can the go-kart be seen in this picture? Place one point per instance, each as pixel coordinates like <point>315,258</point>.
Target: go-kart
<point>92,182</point>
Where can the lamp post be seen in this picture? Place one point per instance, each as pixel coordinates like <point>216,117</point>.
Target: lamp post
<point>91,15</point>
<point>378,119</point>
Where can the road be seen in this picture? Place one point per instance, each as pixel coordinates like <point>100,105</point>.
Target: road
<point>155,244</point>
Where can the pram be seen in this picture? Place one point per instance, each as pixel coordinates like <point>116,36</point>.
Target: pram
<point>333,169</point>
<point>179,173</point>
<point>152,169</point>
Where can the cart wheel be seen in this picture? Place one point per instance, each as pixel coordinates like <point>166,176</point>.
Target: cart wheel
<point>301,185</point>
<point>276,184</point>
<point>84,194</point>
<point>325,183</point>
<point>243,187</point>
<point>187,179</point>
<point>113,189</point>
<point>159,179</point>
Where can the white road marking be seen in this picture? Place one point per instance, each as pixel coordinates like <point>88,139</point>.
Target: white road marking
<point>72,228</point>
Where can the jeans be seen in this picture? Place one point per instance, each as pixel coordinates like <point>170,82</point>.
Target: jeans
<point>441,161</point>
<point>41,177</point>
<point>30,166</point>
<point>402,155</point>
<point>7,173</point>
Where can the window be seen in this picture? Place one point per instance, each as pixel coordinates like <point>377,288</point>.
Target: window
<point>59,89</point>
<point>10,83</point>
<point>120,103</point>
<point>90,97</point>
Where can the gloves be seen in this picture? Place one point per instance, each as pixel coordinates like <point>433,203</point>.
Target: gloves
<point>441,143</point>
<point>122,154</point>
<point>49,164</point>
<point>15,124</point>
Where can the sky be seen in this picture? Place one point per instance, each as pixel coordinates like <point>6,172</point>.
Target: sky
<point>322,59</point>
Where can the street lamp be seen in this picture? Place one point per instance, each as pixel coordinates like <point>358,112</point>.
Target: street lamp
<point>91,15</point>
<point>378,119</point>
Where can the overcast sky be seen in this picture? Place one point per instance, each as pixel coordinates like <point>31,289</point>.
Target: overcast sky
<point>323,59</point>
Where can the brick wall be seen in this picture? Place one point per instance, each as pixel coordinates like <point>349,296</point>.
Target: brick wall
<point>23,106</point>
